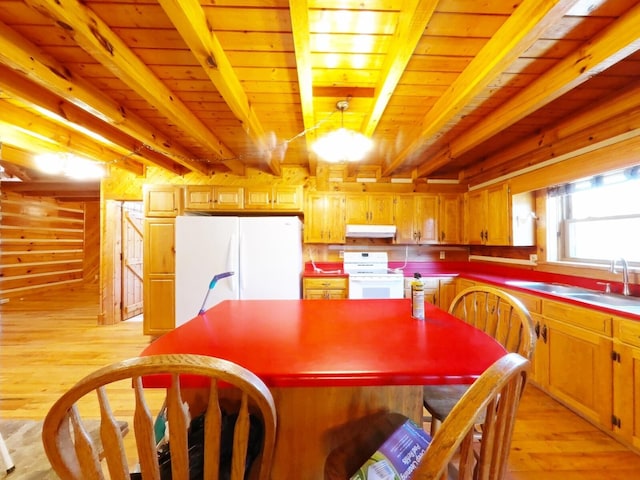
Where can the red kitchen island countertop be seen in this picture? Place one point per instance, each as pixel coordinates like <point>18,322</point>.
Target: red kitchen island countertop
<point>297,343</point>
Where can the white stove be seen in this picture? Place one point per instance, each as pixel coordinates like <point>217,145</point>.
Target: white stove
<point>369,276</point>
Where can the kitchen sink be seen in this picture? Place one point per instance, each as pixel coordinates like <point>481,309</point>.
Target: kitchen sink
<point>610,300</point>
<point>550,287</point>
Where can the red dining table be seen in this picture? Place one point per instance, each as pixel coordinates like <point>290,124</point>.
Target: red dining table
<point>331,364</point>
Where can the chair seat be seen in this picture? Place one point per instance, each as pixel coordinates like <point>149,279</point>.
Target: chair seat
<point>439,400</point>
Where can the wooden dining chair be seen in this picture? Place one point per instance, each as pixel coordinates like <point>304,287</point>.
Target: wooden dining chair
<point>452,453</point>
<point>498,314</point>
<point>222,390</point>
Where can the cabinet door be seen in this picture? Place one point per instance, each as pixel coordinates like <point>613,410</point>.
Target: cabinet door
<point>159,246</point>
<point>258,198</point>
<point>475,208</point>
<point>324,218</point>
<point>579,370</point>
<point>334,224</point>
<point>356,209</point>
<point>450,219</point>
<point>426,208</point>
<point>285,197</point>
<point>314,218</point>
<point>404,214</point>
<point>498,216</point>
<point>198,197</point>
<point>159,276</point>
<point>626,393</point>
<point>161,200</point>
<point>540,362</point>
<point>228,198</point>
<point>431,288</point>
<point>159,304</point>
<point>381,208</point>
<point>447,292</point>
<point>626,380</point>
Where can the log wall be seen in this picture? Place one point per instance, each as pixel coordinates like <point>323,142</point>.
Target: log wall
<point>43,244</point>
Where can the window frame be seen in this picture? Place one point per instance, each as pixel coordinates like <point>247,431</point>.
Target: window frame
<point>558,210</point>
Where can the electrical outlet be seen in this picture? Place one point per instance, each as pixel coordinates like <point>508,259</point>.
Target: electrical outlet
<point>442,255</point>
<point>533,258</point>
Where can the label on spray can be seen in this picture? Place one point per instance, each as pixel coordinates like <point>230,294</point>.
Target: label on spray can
<point>417,297</point>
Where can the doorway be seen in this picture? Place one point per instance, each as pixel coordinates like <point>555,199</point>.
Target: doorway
<point>121,262</point>
<point>131,256</point>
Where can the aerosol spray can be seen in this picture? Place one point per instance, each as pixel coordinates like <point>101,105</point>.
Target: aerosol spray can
<point>417,297</point>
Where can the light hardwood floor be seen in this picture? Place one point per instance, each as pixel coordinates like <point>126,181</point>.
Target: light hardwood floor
<point>49,341</point>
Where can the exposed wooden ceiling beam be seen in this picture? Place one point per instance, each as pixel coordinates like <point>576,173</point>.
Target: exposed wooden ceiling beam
<point>299,12</point>
<point>189,19</point>
<point>17,163</point>
<point>95,37</point>
<point>414,18</point>
<point>23,56</point>
<point>617,41</point>
<point>615,119</point>
<point>530,19</point>
<point>61,139</point>
<point>66,112</point>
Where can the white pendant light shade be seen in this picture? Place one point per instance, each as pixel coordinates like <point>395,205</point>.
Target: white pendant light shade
<point>342,145</point>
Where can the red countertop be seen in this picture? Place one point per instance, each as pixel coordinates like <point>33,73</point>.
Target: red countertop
<point>336,342</point>
<point>499,275</point>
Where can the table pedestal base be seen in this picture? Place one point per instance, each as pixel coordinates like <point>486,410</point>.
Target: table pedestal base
<point>312,421</point>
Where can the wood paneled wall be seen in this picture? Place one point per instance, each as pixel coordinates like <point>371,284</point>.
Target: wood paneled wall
<point>44,244</point>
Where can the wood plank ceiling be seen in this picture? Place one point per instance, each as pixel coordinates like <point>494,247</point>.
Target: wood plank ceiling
<point>447,89</point>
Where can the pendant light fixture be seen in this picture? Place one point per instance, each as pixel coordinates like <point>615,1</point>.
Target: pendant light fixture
<point>342,145</point>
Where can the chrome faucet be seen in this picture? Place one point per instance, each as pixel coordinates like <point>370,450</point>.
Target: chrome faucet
<point>625,274</point>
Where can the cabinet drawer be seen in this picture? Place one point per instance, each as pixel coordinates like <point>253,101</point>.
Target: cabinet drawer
<point>627,331</point>
<point>325,282</point>
<point>531,302</point>
<point>580,317</point>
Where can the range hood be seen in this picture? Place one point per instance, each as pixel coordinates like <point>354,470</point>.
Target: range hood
<point>370,231</point>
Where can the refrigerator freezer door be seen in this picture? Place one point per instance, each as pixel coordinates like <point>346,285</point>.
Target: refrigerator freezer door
<point>270,258</point>
<point>205,246</point>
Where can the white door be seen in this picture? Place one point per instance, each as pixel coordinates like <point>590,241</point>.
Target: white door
<point>205,247</point>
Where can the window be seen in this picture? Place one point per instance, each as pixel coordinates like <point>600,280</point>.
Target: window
<point>596,219</point>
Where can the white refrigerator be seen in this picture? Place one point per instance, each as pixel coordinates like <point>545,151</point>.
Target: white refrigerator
<point>265,254</point>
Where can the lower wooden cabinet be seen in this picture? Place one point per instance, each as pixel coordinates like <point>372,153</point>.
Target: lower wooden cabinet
<point>574,366</point>
<point>626,381</point>
<point>315,288</point>
<point>159,300</point>
<point>587,359</point>
<point>439,291</point>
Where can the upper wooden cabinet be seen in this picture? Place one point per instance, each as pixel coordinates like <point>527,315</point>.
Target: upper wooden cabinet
<point>490,218</point>
<point>324,218</point>
<point>162,200</point>
<point>428,218</point>
<point>210,197</point>
<point>450,218</point>
<point>369,208</point>
<point>280,197</point>
<point>415,217</point>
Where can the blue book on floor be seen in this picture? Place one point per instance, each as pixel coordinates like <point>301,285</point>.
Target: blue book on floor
<point>398,456</point>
